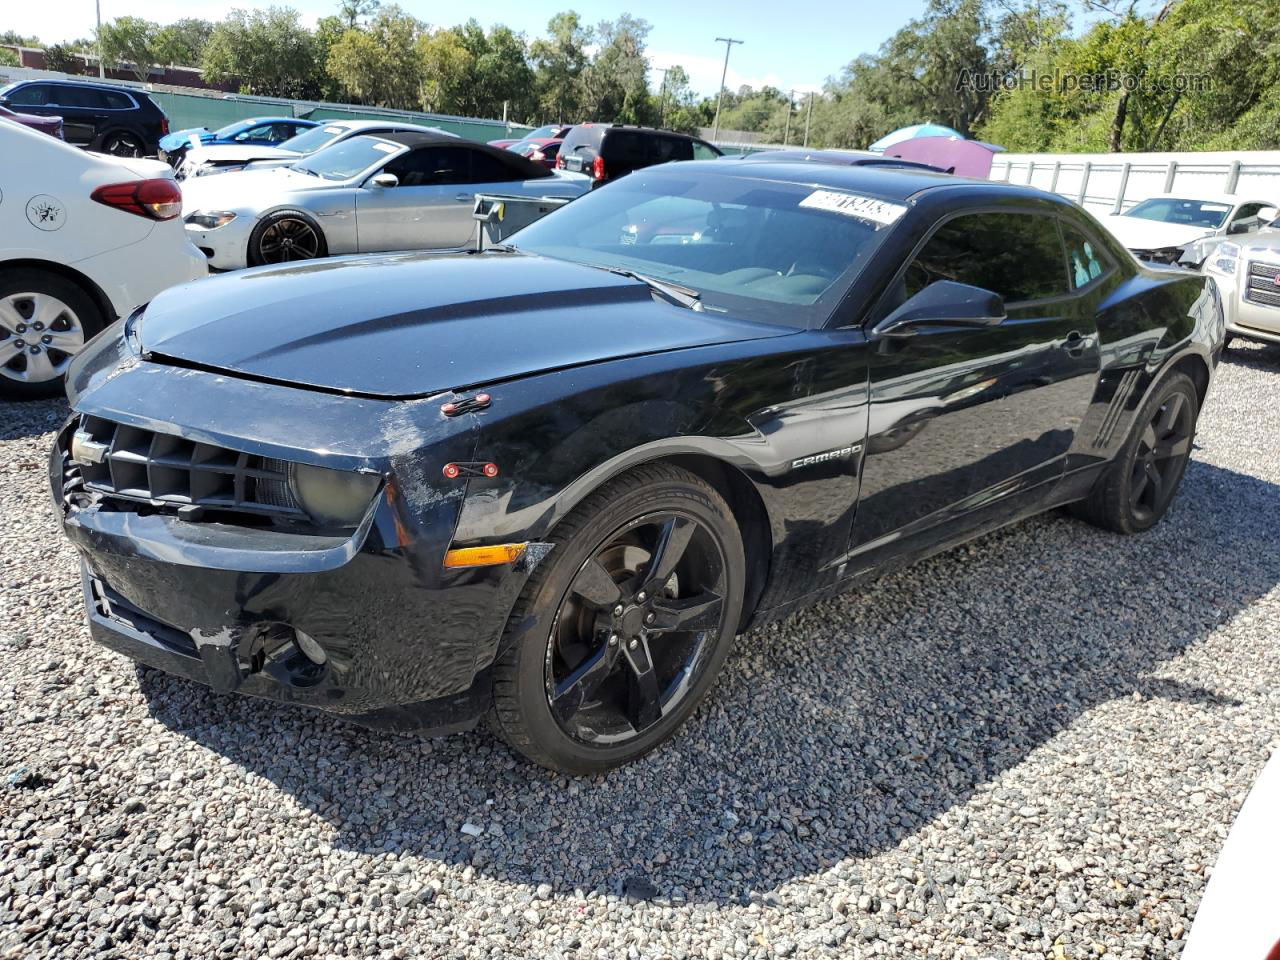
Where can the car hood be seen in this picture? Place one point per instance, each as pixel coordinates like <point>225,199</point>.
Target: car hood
<point>414,324</point>
<point>179,138</point>
<point>238,152</point>
<point>246,189</point>
<point>1139,234</point>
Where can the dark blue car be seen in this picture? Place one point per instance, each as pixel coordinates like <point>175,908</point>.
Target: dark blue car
<point>257,131</point>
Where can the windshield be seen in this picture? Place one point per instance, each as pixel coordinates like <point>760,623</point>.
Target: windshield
<point>231,129</point>
<point>780,252</point>
<point>542,133</point>
<point>347,159</point>
<point>313,139</point>
<point>1192,213</point>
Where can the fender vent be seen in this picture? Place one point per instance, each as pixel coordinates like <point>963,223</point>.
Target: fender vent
<point>1112,419</point>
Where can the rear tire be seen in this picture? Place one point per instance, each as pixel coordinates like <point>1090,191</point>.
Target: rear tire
<point>633,613</point>
<point>45,320</point>
<point>122,143</point>
<point>1141,482</point>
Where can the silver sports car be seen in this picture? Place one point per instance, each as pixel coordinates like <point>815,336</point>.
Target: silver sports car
<point>395,191</point>
<point>1248,275</point>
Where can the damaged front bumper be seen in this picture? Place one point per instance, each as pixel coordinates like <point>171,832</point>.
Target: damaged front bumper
<point>367,624</point>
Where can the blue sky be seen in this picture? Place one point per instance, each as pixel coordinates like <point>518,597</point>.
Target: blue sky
<point>798,43</point>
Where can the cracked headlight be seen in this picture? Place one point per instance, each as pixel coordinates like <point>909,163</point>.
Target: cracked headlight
<point>336,498</point>
<point>210,219</point>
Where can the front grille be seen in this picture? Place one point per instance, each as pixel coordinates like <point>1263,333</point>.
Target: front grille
<point>1262,287</point>
<point>138,466</point>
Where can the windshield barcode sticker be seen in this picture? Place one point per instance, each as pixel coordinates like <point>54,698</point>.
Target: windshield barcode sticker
<point>852,205</point>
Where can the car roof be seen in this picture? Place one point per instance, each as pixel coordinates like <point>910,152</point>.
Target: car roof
<point>390,125</point>
<point>89,84</point>
<point>418,138</point>
<point>888,183</point>
<point>852,157</point>
<point>1231,199</point>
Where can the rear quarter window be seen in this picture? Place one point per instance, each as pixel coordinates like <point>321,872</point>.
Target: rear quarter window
<point>116,100</point>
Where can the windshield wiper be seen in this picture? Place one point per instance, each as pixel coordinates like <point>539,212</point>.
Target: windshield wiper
<point>680,295</point>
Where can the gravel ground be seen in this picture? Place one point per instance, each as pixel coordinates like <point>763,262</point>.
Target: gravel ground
<point>1029,747</point>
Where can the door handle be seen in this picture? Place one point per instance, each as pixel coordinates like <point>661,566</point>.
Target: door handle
<point>464,197</point>
<point>1075,343</point>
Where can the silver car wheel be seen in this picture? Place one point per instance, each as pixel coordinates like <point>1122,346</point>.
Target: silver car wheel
<point>39,337</point>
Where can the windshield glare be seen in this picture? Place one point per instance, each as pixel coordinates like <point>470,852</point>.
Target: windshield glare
<point>231,129</point>
<point>348,159</point>
<point>759,249</point>
<point>312,139</point>
<point>1191,213</point>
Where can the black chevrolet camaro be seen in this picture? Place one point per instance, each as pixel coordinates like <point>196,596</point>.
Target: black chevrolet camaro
<point>548,483</point>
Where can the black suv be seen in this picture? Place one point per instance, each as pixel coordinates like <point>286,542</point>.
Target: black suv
<point>116,120</point>
<point>610,150</point>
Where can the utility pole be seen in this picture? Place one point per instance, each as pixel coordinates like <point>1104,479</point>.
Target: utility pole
<point>728,45</point>
<point>102,72</point>
<point>808,116</point>
<point>786,130</point>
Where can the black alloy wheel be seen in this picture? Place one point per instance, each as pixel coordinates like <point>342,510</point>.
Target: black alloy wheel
<point>630,634</point>
<point>635,611</point>
<point>1141,481</point>
<point>1163,450</point>
<point>122,144</point>
<point>284,237</point>
<point>289,239</point>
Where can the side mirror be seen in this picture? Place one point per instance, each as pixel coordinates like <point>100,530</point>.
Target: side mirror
<point>944,303</point>
<point>384,180</point>
<point>1242,226</point>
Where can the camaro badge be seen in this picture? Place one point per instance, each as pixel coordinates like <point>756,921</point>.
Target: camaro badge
<point>839,454</point>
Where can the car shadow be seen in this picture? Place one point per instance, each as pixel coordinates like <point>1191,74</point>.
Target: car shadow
<point>1251,353</point>
<point>31,418</point>
<point>832,735</point>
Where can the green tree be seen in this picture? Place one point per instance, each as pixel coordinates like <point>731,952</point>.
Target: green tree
<point>9,57</point>
<point>559,60</point>
<point>380,64</point>
<point>267,52</point>
<point>350,12</point>
<point>59,58</point>
<point>677,104</point>
<point>446,66</point>
<point>130,42</point>
<point>498,72</point>
<point>328,32</point>
<point>615,83</point>
<point>183,41</point>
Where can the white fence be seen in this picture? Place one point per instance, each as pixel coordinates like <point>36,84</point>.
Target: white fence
<point>1112,182</point>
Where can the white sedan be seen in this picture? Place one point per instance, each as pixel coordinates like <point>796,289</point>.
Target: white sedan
<point>1173,229</point>
<point>84,238</point>
<point>395,191</point>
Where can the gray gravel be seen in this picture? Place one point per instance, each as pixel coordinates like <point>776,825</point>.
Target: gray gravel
<point>1031,746</point>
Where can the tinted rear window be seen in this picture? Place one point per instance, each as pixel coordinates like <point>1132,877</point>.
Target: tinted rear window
<point>116,100</point>
<point>583,140</point>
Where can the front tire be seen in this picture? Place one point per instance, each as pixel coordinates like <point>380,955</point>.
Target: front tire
<point>45,320</point>
<point>634,613</point>
<point>1141,482</point>
<point>284,237</point>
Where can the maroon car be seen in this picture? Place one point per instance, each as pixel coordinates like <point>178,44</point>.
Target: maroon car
<point>552,131</point>
<point>49,125</point>
<point>543,150</point>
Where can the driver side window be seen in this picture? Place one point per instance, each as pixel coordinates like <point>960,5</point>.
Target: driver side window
<point>1017,255</point>
<point>432,166</point>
